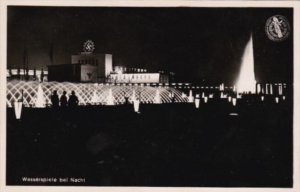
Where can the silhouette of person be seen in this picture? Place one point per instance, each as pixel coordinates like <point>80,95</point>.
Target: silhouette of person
<point>63,100</point>
<point>54,99</point>
<point>73,100</point>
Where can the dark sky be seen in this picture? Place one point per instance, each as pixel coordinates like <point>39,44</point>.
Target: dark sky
<point>195,43</point>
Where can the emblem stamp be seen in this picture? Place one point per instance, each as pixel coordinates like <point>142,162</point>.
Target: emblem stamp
<point>277,28</point>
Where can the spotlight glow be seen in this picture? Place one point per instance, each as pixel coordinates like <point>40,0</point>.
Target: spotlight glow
<point>246,81</point>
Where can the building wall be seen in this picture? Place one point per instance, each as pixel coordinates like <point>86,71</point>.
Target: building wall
<point>33,75</point>
<point>66,72</point>
<point>108,64</point>
<point>88,73</point>
<point>102,61</point>
<point>87,58</point>
<point>164,78</point>
<point>135,78</point>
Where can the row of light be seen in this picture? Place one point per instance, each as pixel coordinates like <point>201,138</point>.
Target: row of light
<point>22,72</point>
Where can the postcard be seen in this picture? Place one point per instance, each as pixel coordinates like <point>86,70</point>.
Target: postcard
<point>127,95</point>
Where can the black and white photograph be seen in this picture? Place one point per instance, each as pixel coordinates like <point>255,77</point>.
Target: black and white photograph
<point>140,96</point>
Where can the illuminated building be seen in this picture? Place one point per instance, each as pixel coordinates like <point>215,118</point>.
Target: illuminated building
<point>94,67</point>
<point>27,74</point>
<point>84,67</point>
<point>88,66</point>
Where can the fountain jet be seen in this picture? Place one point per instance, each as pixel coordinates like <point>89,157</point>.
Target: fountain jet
<point>40,100</point>
<point>157,99</point>
<point>110,98</point>
<point>246,81</point>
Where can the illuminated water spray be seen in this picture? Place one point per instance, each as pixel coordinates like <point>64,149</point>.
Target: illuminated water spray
<point>110,98</point>
<point>157,99</point>
<point>40,100</point>
<point>246,81</point>
<point>37,94</point>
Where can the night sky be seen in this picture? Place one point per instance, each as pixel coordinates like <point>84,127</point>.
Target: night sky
<point>196,43</point>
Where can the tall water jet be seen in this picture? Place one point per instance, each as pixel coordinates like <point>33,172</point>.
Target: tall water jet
<point>221,87</point>
<point>18,109</point>
<point>133,97</point>
<point>136,105</point>
<point>246,81</point>
<point>258,89</point>
<point>95,98</point>
<point>191,98</point>
<point>271,89</point>
<point>110,98</point>
<point>280,89</point>
<point>197,101</point>
<point>157,99</point>
<point>205,99</point>
<point>40,100</point>
<point>222,95</point>
<point>234,101</point>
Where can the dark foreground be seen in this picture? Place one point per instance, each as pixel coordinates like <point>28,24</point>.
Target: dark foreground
<point>165,145</point>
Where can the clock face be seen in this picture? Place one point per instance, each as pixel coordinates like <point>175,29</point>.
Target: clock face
<point>88,46</point>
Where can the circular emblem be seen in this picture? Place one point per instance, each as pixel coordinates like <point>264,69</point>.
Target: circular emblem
<point>277,28</point>
<point>88,46</point>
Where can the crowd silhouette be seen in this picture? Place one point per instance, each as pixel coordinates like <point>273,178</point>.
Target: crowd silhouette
<point>63,101</point>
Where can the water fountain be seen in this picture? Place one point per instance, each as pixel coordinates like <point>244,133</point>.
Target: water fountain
<point>234,101</point>
<point>197,101</point>
<point>136,105</point>
<point>258,89</point>
<point>276,99</point>
<point>280,89</point>
<point>191,98</point>
<point>40,100</point>
<point>18,109</point>
<point>157,99</point>
<point>87,92</point>
<point>110,99</point>
<point>205,99</point>
<point>95,98</point>
<point>267,88</point>
<point>133,97</point>
<point>234,89</point>
<point>271,89</point>
<point>246,81</point>
<point>221,87</point>
<point>229,99</point>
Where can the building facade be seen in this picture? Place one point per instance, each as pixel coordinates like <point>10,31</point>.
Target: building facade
<point>86,66</point>
<point>103,62</point>
<point>72,73</point>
